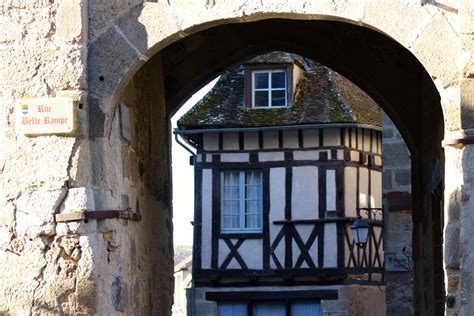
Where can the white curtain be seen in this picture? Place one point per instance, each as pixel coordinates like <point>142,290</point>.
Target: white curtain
<point>305,309</point>
<point>269,309</point>
<point>253,199</point>
<point>231,199</point>
<point>232,309</point>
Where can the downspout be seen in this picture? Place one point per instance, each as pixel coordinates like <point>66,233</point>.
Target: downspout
<point>193,155</point>
<point>190,301</point>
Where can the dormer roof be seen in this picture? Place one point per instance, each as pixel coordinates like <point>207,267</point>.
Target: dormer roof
<point>320,96</point>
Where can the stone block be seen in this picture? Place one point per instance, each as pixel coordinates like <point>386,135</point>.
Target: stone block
<point>110,59</point>
<point>467,103</point>
<point>35,211</point>
<point>125,123</point>
<point>396,155</point>
<point>435,44</point>
<point>102,14</point>
<point>381,14</point>
<point>71,21</point>
<point>78,199</point>
<point>403,177</point>
<point>467,49</point>
<point>452,229</point>
<point>466,13</point>
<point>96,118</point>
<point>143,30</point>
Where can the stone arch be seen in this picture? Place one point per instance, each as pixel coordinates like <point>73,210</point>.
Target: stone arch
<point>186,54</point>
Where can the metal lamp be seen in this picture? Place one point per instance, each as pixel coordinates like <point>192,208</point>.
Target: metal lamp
<point>360,232</point>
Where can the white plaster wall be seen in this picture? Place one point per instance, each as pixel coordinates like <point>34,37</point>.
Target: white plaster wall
<point>340,154</point>
<point>235,157</point>
<point>350,186</point>
<point>270,140</point>
<point>331,190</point>
<point>331,137</point>
<point>364,187</point>
<point>271,156</point>
<point>230,141</point>
<point>211,141</point>
<point>290,138</point>
<point>354,154</point>
<point>304,198</point>
<point>277,208</point>
<point>376,188</point>
<point>360,143</point>
<point>330,245</point>
<point>250,140</point>
<point>252,253</point>
<point>310,137</point>
<point>206,219</point>
<point>367,139</point>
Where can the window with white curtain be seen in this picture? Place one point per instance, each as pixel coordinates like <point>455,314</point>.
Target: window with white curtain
<point>241,201</point>
<point>297,308</point>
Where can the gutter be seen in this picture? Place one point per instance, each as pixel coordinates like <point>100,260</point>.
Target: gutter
<point>182,144</point>
<point>273,128</point>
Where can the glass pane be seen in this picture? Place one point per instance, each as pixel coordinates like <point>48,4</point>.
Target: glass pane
<point>231,178</point>
<point>252,177</point>
<point>231,208</point>
<point>253,221</point>
<point>252,192</point>
<point>278,98</point>
<point>269,310</point>
<point>261,80</point>
<point>305,309</point>
<point>232,309</point>
<point>230,221</point>
<point>231,193</point>
<point>278,79</point>
<point>261,98</point>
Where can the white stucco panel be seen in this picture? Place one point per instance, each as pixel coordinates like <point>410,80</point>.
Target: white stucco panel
<point>251,252</point>
<point>206,219</point>
<point>271,156</point>
<point>211,141</point>
<point>330,245</point>
<point>304,198</point>
<point>350,191</point>
<point>250,140</point>
<point>230,141</point>
<point>235,157</point>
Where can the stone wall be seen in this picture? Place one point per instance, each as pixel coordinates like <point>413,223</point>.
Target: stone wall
<point>50,267</point>
<point>398,220</point>
<point>43,268</point>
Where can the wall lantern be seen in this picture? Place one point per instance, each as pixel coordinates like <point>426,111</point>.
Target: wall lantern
<point>360,232</point>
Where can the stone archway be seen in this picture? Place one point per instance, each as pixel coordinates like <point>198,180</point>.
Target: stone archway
<point>386,70</point>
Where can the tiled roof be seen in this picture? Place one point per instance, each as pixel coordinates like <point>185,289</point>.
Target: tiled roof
<point>321,96</point>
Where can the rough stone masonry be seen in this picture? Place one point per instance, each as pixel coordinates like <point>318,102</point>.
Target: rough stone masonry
<point>85,217</point>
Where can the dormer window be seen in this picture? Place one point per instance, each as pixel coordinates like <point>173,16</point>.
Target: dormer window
<point>269,88</point>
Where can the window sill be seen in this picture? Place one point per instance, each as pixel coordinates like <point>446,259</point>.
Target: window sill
<point>246,235</point>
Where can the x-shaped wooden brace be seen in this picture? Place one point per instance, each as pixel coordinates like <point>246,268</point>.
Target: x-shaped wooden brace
<point>234,254</point>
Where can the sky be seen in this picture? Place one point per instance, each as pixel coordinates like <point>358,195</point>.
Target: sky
<point>183,178</point>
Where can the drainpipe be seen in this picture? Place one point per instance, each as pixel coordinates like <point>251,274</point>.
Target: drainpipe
<point>193,155</point>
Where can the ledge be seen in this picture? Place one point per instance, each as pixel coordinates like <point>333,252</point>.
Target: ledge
<point>84,215</point>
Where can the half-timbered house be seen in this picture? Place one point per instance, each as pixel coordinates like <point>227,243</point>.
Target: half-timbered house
<point>288,155</point>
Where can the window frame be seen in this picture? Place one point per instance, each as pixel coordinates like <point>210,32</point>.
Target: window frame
<point>248,82</point>
<point>270,88</point>
<point>242,205</point>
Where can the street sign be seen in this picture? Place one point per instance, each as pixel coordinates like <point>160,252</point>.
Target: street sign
<point>38,116</point>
